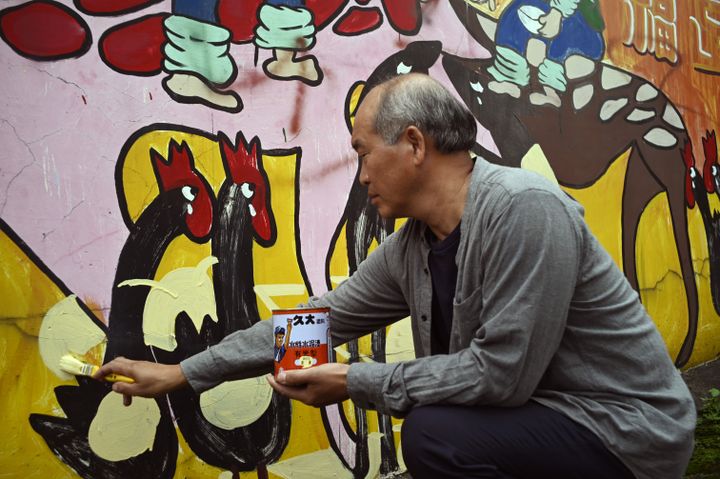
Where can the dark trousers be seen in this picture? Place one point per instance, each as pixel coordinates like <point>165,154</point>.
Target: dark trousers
<point>531,441</point>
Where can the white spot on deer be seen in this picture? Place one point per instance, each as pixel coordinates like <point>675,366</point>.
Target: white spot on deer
<point>612,78</point>
<point>611,107</point>
<point>582,96</point>
<point>672,117</point>
<point>646,92</point>
<point>638,115</point>
<point>660,137</point>
<point>577,66</point>
<point>403,69</point>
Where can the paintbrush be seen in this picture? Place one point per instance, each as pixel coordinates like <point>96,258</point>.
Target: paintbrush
<point>72,365</point>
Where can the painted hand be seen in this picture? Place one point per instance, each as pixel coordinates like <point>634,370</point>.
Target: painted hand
<point>151,379</point>
<point>318,386</point>
<point>551,23</point>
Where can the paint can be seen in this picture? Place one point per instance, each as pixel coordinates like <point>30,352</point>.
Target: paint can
<point>300,337</point>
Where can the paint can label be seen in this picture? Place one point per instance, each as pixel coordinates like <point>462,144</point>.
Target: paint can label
<point>301,338</point>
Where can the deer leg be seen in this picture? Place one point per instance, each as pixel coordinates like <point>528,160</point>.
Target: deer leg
<point>640,187</point>
<point>667,166</point>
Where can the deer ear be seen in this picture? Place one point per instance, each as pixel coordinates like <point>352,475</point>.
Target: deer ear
<point>352,101</point>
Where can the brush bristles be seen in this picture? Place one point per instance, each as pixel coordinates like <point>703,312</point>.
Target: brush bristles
<point>73,365</point>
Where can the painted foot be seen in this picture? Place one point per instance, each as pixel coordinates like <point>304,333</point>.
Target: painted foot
<point>550,97</point>
<point>505,88</point>
<point>305,69</point>
<point>185,88</point>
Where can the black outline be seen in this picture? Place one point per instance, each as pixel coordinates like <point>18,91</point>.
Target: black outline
<point>113,29</point>
<point>87,43</point>
<point>352,10</point>
<point>116,13</point>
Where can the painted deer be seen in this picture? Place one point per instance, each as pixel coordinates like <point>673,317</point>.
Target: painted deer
<point>604,113</point>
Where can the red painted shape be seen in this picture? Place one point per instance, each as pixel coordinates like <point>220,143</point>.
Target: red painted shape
<point>324,11</point>
<point>179,171</point>
<point>135,47</point>
<point>112,7</point>
<point>710,149</point>
<point>240,17</point>
<point>358,20</point>
<point>44,30</point>
<point>404,15</point>
<point>245,166</point>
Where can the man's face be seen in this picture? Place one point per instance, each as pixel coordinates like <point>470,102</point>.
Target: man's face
<point>385,169</point>
<point>279,338</point>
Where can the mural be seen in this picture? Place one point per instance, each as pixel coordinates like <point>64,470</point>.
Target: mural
<point>174,170</point>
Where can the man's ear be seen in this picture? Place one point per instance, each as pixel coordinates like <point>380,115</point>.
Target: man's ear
<point>417,141</point>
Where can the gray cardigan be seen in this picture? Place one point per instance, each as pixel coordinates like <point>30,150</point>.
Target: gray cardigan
<point>541,313</point>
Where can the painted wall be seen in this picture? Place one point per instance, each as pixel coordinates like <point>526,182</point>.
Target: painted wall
<point>172,171</point>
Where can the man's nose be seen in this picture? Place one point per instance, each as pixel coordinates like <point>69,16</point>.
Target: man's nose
<point>363,178</point>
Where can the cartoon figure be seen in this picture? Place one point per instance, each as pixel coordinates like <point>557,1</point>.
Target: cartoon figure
<point>282,341</point>
<point>197,56</point>
<point>565,27</point>
<point>286,27</point>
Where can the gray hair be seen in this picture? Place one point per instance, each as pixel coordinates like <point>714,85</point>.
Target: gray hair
<point>418,100</point>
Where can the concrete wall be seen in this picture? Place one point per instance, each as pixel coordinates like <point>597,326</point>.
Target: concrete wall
<point>159,156</point>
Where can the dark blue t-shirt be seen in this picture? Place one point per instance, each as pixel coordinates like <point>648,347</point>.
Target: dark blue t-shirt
<point>443,272</point>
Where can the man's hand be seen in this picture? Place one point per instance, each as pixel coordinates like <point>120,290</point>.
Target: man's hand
<point>551,23</point>
<point>318,386</point>
<point>151,379</point>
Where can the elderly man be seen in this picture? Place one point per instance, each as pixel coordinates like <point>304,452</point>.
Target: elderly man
<point>535,357</point>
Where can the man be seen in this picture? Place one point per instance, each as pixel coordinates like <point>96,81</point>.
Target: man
<point>535,358</point>
<point>281,341</point>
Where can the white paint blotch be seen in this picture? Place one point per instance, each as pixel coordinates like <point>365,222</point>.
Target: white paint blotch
<point>612,78</point>
<point>119,432</point>
<point>611,107</point>
<point>183,289</point>
<point>639,115</point>
<point>582,96</point>
<point>66,329</point>
<point>672,117</point>
<point>646,92</point>
<point>234,404</point>
<point>660,137</point>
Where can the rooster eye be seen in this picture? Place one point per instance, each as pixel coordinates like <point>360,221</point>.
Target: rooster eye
<point>248,190</point>
<point>693,173</point>
<point>188,193</point>
<point>714,170</point>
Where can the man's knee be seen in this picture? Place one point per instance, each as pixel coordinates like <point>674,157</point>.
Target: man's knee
<point>417,437</point>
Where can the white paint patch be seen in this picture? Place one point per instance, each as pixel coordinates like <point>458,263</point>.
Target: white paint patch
<point>403,69</point>
<point>183,289</point>
<point>646,92</point>
<point>66,329</point>
<point>660,137</point>
<point>639,115</point>
<point>672,117</point>
<point>477,86</point>
<point>535,160</point>
<point>612,78</point>
<point>234,404</point>
<point>577,66</point>
<point>120,432</point>
<point>582,96</point>
<point>611,107</point>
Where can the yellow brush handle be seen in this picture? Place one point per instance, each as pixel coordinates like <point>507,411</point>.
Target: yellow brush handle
<point>118,378</point>
<point>114,378</point>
